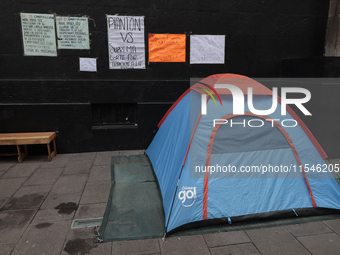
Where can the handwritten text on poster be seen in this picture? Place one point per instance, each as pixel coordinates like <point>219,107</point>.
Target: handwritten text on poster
<point>167,47</point>
<point>207,49</point>
<point>38,34</point>
<point>126,42</point>
<point>73,33</point>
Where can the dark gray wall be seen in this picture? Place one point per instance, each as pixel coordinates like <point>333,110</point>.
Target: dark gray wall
<point>49,93</point>
<point>325,103</point>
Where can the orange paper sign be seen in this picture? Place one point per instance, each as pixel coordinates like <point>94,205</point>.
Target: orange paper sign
<point>167,48</point>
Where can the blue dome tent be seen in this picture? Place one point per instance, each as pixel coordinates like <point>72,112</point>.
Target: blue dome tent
<point>220,166</point>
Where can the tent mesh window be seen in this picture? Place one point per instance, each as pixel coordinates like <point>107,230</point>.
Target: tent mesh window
<point>241,134</point>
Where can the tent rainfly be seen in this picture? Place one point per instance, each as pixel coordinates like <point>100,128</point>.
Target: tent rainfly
<point>215,166</point>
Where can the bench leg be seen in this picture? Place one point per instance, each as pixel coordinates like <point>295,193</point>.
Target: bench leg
<point>54,147</point>
<point>21,156</point>
<point>51,154</point>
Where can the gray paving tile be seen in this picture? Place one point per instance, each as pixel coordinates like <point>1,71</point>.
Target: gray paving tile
<point>184,245</point>
<point>239,249</point>
<point>60,160</point>
<point>132,247</point>
<point>3,201</point>
<point>334,225</point>
<point>90,211</point>
<point>78,167</point>
<point>100,173</point>
<point>53,215</point>
<point>226,238</point>
<point>311,228</point>
<point>70,184</point>
<point>44,176</point>
<point>4,166</point>
<point>28,197</point>
<point>82,156</point>
<point>275,241</point>
<point>322,244</point>
<point>96,192</point>
<point>80,241</point>
<point>13,224</point>
<point>6,249</point>
<point>9,186</point>
<point>43,238</point>
<point>33,189</point>
<point>35,158</point>
<point>21,170</point>
<point>55,200</point>
<point>104,157</point>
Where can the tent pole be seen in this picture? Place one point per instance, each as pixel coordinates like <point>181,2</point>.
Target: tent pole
<point>173,200</point>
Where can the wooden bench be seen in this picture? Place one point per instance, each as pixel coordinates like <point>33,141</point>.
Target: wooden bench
<point>25,139</point>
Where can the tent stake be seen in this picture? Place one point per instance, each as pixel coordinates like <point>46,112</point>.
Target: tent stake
<point>163,238</point>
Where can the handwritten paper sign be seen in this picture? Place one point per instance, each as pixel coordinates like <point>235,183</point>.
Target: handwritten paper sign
<point>126,42</point>
<point>167,47</point>
<point>207,49</point>
<point>88,64</point>
<point>38,34</point>
<point>73,33</point>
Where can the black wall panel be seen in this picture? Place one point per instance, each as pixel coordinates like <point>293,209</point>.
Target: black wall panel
<point>325,104</point>
<point>49,93</point>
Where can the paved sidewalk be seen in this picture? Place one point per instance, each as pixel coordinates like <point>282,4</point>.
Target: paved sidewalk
<point>40,199</point>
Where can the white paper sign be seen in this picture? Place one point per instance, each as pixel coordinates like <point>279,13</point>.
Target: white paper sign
<point>207,49</point>
<point>88,64</point>
<point>38,34</point>
<point>126,42</point>
<point>73,33</point>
